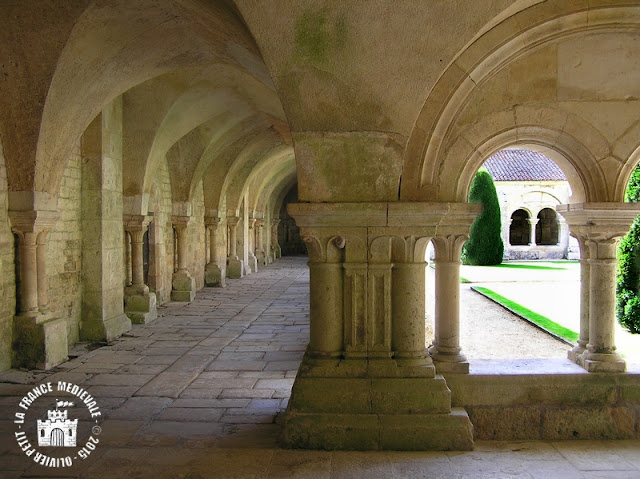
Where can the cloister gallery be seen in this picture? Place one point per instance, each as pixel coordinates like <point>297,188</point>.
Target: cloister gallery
<point>151,148</point>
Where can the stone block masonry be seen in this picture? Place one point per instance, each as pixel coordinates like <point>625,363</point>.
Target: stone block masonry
<point>161,258</point>
<point>64,252</point>
<point>7,273</point>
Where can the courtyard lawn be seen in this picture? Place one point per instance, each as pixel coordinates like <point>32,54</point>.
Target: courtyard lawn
<point>546,292</point>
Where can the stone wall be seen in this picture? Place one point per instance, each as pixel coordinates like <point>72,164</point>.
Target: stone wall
<point>161,240</point>
<point>7,273</point>
<point>64,251</point>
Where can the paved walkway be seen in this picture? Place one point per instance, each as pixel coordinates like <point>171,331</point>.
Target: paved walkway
<point>195,395</point>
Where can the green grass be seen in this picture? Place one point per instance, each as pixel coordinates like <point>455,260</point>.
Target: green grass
<point>531,316</point>
<point>525,266</point>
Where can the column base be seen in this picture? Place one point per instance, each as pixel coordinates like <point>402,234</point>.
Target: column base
<point>262,258</point>
<point>141,307</point>
<point>575,355</point>
<point>214,276</point>
<point>235,268</point>
<point>184,287</point>
<point>98,329</point>
<point>39,342</point>
<point>277,251</point>
<point>603,363</point>
<point>365,404</point>
<point>252,265</point>
<point>451,368</point>
<point>375,432</point>
<point>446,362</point>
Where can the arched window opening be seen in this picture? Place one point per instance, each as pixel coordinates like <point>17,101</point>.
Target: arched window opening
<point>519,228</point>
<point>547,228</point>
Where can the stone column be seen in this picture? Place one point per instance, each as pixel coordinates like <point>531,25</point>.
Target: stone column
<point>601,225</point>
<point>532,231</point>
<point>366,381</point>
<point>446,350</point>
<point>38,339</point>
<point>127,258</point>
<point>235,266</point>
<point>184,285</point>
<point>601,352</point>
<point>140,304</point>
<point>408,300</point>
<point>326,343</point>
<point>259,228</point>
<point>214,275</point>
<point>253,261</point>
<point>276,251</point>
<point>575,354</point>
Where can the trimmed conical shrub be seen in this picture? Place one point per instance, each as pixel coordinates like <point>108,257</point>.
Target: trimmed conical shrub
<point>628,277</point>
<point>485,246</point>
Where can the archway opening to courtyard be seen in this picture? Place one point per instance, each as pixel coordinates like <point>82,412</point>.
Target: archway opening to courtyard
<point>539,272</point>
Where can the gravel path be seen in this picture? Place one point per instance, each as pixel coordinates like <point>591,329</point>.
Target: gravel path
<point>488,331</point>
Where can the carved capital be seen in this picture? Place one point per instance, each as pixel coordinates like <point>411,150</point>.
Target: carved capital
<point>449,248</point>
<point>599,221</point>
<point>322,247</point>
<point>213,221</point>
<point>136,224</point>
<point>32,223</point>
<point>232,221</point>
<point>180,222</point>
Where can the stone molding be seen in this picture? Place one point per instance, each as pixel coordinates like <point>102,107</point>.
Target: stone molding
<point>599,221</point>
<point>379,232</point>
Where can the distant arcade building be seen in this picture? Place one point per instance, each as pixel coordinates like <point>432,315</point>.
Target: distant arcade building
<point>529,187</point>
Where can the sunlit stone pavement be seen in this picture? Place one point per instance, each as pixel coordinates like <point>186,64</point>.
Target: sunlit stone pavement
<point>196,394</point>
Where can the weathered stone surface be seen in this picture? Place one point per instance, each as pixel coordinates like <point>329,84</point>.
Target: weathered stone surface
<point>383,432</point>
<point>39,344</point>
<point>235,268</point>
<point>184,287</point>
<point>506,423</point>
<point>589,423</point>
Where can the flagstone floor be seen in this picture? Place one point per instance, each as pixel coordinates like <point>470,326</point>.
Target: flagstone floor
<point>196,394</point>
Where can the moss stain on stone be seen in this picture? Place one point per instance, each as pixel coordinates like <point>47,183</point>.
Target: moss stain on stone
<point>316,36</point>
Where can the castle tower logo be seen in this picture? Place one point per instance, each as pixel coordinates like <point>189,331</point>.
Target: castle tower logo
<point>62,437</point>
<point>58,429</point>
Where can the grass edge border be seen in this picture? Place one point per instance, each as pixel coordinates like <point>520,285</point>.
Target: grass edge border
<point>496,298</point>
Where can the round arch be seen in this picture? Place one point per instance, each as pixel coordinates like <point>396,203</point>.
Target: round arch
<point>492,50</point>
<point>564,150</point>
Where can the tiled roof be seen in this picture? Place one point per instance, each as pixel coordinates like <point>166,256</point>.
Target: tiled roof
<point>523,165</point>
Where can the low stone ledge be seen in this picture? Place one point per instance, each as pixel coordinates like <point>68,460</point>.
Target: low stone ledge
<point>547,403</point>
